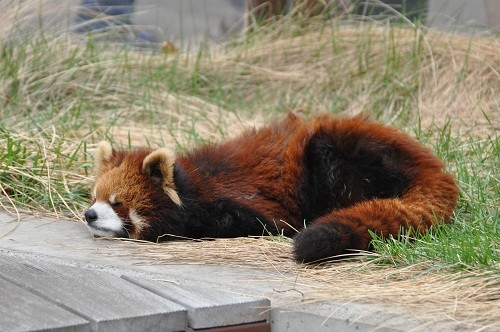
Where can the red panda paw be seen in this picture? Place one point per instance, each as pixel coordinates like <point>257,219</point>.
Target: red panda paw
<point>322,242</point>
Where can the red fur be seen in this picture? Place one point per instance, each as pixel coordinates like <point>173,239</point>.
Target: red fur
<point>270,174</point>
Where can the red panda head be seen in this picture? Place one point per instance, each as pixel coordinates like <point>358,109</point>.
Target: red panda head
<point>129,189</point>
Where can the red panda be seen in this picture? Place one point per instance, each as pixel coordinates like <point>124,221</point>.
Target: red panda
<point>333,179</point>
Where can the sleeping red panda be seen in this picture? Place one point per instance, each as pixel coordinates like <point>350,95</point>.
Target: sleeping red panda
<point>332,179</point>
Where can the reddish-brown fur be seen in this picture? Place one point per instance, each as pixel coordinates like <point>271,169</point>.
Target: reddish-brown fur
<point>383,181</point>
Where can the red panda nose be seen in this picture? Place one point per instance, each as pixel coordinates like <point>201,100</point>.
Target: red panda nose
<point>90,215</point>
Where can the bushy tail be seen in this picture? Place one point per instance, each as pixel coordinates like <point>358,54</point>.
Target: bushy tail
<point>429,198</point>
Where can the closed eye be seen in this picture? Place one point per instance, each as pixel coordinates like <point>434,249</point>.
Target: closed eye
<point>116,204</point>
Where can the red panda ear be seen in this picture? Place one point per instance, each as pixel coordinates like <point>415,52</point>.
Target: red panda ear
<point>103,155</point>
<point>160,164</point>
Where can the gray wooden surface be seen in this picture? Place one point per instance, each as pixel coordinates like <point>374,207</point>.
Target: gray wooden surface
<point>42,295</point>
<point>22,310</point>
<point>106,301</point>
<point>209,307</point>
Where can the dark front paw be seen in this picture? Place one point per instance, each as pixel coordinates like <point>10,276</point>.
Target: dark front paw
<point>321,242</point>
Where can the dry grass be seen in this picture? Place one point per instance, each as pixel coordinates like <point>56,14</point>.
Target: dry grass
<point>402,76</point>
<point>412,77</point>
<point>453,76</point>
<point>393,73</point>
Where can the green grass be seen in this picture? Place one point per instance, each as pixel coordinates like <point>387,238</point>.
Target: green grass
<point>58,98</point>
<point>473,240</point>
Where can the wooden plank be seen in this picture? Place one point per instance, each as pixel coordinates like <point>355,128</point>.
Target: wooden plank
<point>209,307</point>
<point>105,300</point>
<point>252,327</point>
<point>21,310</point>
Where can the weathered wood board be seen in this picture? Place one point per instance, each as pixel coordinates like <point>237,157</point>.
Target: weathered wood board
<point>21,310</point>
<point>209,307</point>
<point>106,301</point>
<point>37,294</point>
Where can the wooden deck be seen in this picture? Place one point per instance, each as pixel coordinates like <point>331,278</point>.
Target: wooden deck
<point>40,295</point>
<point>55,277</point>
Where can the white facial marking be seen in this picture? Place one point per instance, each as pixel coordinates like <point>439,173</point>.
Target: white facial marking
<point>101,233</point>
<point>108,223</point>
<point>112,198</point>
<point>94,192</point>
<point>137,221</point>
